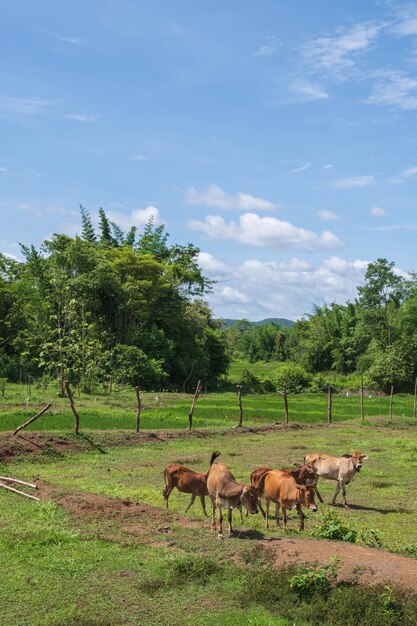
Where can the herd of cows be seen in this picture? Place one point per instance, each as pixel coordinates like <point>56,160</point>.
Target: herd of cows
<point>286,488</point>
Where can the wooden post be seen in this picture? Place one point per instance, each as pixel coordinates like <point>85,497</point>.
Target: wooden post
<point>32,419</point>
<point>285,397</point>
<point>138,408</point>
<point>111,384</point>
<point>239,401</point>
<point>194,402</point>
<point>329,404</point>
<point>73,409</point>
<point>415,400</point>
<point>390,402</point>
<point>362,407</point>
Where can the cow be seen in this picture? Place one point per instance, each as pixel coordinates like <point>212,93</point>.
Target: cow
<point>226,493</point>
<point>304,475</point>
<point>280,487</point>
<point>342,469</point>
<point>186,481</point>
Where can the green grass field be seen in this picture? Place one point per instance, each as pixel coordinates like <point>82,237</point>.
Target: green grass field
<point>170,410</point>
<point>110,570</point>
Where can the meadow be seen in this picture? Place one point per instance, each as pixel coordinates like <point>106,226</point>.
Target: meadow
<point>77,559</point>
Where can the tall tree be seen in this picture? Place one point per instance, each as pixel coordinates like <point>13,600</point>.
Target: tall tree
<point>87,230</point>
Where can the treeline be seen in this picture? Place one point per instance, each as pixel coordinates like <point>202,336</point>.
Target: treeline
<point>376,334</point>
<point>107,308</point>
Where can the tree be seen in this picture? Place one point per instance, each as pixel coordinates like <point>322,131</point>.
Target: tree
<point>87,230</point>
<point>105,229</point>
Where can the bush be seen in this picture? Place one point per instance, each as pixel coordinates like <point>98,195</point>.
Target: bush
<point>334,529</point>
<point>250,382</point>
<point>291,378</point>
<point>315,579</point>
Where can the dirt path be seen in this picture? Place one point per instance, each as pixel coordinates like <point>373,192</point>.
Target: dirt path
<point>156,526</point>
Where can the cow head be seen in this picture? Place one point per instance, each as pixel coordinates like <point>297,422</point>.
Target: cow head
<point>357,459</point>
<point>249,499</point>
<point>306,496</point>
<point>307,475</point>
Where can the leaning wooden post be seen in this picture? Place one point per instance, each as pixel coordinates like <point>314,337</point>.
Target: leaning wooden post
<point>194,402</point>
<point>138,408</point>
<point>362,407</point>
<point>73,409</point>
<point>239,401</point>
<point>329,404</point>
<point>32,419</point>
<point>415,400</point>
<point>390,402</point>
<point>285,397</point>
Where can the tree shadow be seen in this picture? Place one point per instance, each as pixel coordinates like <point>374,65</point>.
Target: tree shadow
<point>95,446</point>
<point>359,507</point>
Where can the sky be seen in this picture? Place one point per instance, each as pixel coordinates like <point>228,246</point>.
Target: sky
<point>278,137</point>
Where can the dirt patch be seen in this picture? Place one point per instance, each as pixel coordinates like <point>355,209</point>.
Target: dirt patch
<point>40,443</point>
<point>156,526</point>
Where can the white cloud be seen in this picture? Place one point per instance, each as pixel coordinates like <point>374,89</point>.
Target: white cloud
<point>328,166</point>
<point>336,54</point>
<point>11,256</point>
<point>259,231</point>
<point>327,216</point>
<point>394,88</point>
<point>213,267</point>
<point>25,106</point>
<point>72,40</point>
<point>306,90</point>
<point>267,49</point>
<point>287,288</point>
<point>377,211</point>
<point>81,118</point>
<point>214,196</point>
<point>136,217</point>
<point>411,171</point>
<point>139,157</point>
<point>352,181</point>
<point>302,168</point>
<point>406,24</point>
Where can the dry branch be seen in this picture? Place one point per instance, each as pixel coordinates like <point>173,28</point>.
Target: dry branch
<point>73,409</point>
<point>21,493</point>
<point>9,479</point>
<point>198,390</point>
<point>32,419</point>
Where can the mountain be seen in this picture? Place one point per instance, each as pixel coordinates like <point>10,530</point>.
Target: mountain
<point>279,321</point>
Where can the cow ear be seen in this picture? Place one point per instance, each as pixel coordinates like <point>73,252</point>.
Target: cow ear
<point>347,456</point>
<point>364,457</point>
<point>297,465</point>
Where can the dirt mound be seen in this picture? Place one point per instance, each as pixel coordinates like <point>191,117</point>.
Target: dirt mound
<point>35,443</point>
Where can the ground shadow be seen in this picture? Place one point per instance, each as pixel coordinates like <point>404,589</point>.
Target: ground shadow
<point>247,534</point>
<point>359,507</point>
<point>88,439</point>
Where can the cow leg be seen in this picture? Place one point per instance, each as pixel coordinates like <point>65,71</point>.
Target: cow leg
<point>339,485</point>
<point>344,496</point>
<point>277,513</point>
<point>166,493</point>
<point>267,502</point>
<point>260,508</point>
<point>213,513</point>
<point>317,491</point>
<point>241,514</point>
<point>193,497</point>
<point>219,521</point>
<point>203,504</point>
<point>301,516</point>
<point>229,519</point>
<point>284,514</point>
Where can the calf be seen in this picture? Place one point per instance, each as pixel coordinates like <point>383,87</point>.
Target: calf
<point>226,493</point>
<point>186,481</point>
<point>280,487</point>
<point>304,475</point>
<point>341,469</point>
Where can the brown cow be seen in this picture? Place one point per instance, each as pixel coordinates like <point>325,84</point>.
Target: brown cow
<point>304,475</point>
<point>342,469</point>
<point>280,487</point>
<point>226,493</point>
<point>186,481</point>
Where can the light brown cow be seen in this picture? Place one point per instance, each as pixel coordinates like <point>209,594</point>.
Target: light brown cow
<point>226,493</point>
<point>304,475</point>
<point>342,469</point>
<point>186,481</point>
<point>280,487</point>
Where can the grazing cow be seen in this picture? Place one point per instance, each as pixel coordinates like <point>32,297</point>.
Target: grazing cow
<point>280,487</point>
<point>341,469</point>
<point>304,475</point>
<point>186,481</point>
<point>226,493</point>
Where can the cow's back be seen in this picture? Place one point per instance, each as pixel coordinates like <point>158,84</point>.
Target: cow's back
<point>219,476</point>
<point>279,485</point>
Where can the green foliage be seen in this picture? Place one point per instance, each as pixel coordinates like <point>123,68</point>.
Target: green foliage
<point>371,538</point>
<point>333,528</point>
<point>396,365</point>
<point>192,568</point>
<point>291,378</point>
<point>315,579</point>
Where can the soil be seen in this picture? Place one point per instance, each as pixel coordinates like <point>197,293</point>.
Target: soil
<point>156,526</point>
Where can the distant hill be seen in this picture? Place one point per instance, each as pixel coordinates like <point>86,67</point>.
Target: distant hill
<point>280,321</point>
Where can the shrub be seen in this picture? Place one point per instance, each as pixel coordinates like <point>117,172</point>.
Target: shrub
<point>315,579</point>
<point>334,529</point>
<point>192,568</point>
<point>291,378</point>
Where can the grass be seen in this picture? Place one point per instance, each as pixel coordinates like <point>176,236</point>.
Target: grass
<point>57,569</point>
<point>170,410</point>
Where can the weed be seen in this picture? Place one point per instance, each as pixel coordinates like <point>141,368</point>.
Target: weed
<point>315,579</point>
<point>333,528</point>
<point>371,538</point>
<point>187,567</point>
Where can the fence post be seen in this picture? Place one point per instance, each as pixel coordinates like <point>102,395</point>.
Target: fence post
<point>329,404</point>
<point>73,409</point>
<point>285,397</point>
<point>390,402</point>
<point>194,402</point>
<point>415,399</point>
<point>138,408</point>
<point>239,401</point>
<point>362,407</point>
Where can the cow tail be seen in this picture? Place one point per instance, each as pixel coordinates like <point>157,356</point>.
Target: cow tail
<point>261,482</point>
<point>165,477</point>
<point>213,457</point>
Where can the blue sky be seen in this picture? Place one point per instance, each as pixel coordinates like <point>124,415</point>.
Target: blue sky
<point>279,137</point>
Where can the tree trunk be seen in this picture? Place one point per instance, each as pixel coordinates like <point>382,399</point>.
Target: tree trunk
<point>138,408</point>
<point>329,405</point>
<point>239,401</point>
<point>73,409</point>
<point>194,402</point>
